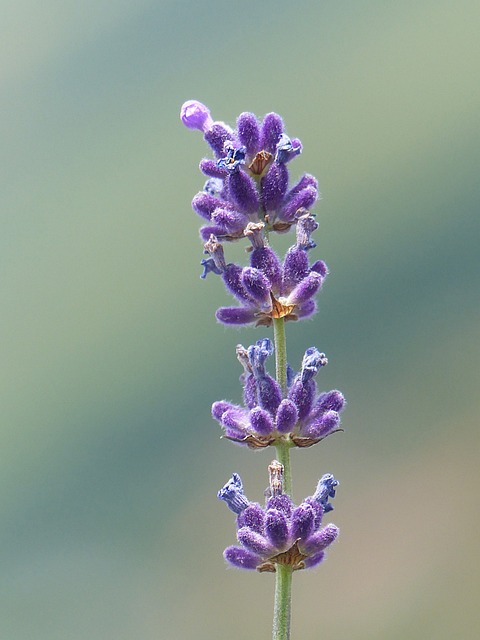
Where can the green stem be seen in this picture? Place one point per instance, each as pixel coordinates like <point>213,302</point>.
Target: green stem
<point>283,598</point>
<point>280,352</point>
<point>283,574</point>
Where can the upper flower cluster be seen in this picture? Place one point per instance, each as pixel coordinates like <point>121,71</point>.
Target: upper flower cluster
<point>279,533</point>
<point>303,418</point>
<point>249,180</point>
<point>247,194</point>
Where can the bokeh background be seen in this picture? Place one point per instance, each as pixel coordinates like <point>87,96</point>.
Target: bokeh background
<point>110,462</point>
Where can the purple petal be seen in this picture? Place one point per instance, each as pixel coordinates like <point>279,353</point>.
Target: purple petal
<point>242,192</point>
<point>276,528</point>
<point>241,558</point>
<point>260,421</point>
<point>305,181</point>
<point>303,522</point>
<point>269,394</point>
<point>287,416</point>
<point>272,129</point>
<point>235,315</point>
<point>204,204</point>
<point>323,426</point>
<point>257,286</point>
<point>254,541</point>
<point>319,540</point>
<point>281,503</point>
<point>265,259</point>
<point>210,168</point>
<point>273,186</point>
<point>303,200</point>
<point>248,132</point>
<point>295,269</point>
<point>252,517</point>
<point>306,289</point>
<point>217,136</point>
<point>219,408</point>
<point>195,115</point>
<point>306,310</point>
<point>302,395</point>
<point>320,267</point>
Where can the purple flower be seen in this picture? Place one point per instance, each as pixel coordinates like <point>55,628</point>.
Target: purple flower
<point>280,532</point>
<point>251,163</point>
<point>267,289</point>
<point>304,417</point>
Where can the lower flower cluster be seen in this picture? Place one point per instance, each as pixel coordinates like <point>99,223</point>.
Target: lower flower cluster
<point>303,418</point>
<point>280,532</point>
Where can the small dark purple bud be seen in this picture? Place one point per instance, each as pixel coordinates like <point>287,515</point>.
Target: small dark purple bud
<point>287,149</point>
<point>205,204</point>
<point>235,422</point>
<point>248,132</point>
<point>205,233</point>
<point>273,186</point>
<point>252,517</point>
<point>311,363</point>
<point>254,541</point>
<point>196,115</point>
<point>232,221</point>
<point>257,286</point>
<point>320,267</point>
<point>315,560</point>
<point>276,528</point>
<point>260,421</point>
<point>295,268</point>
<point>210,168</point>
<point>306,289</point>
<point>320,540</point>
<point>281,503</point>
<point>217,136</point>
<point>243,192</point>
<point>232,493</point>
<point>305,181</point>
<point>290,376</point>
<point>272,129</point>
<point>287,416</point>
<point>326,489</point>
<point>241,558</point>
<point>235,315</point>
<point>330,401</point>
<point>269,394</point>
<point>219,408</point>
<point>232,278</point>
<point>266,260</point>
<point>233,160</point>
<point>324,425</point>
<point>303,522</point>
<point>302,395</point>
<point>303,200</point>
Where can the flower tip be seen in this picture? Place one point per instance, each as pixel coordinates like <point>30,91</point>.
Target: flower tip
<point>195,115</point>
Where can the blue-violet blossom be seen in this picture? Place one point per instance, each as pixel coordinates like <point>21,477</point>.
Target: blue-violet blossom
<point>280,532</point>
<point>304,417</point>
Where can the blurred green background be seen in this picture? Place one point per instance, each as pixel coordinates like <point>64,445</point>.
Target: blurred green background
<point>110,462</point>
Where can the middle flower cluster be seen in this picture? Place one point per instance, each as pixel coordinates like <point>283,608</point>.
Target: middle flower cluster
<point>303,418</point>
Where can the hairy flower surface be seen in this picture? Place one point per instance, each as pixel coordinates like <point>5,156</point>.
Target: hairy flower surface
<point>304,417</point>
<point>249,180</point>
<point>279,532</point>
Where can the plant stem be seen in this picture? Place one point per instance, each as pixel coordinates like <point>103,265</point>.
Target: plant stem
<point>280,352</point>
<point>283,598</point>
<point>283,574</point>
